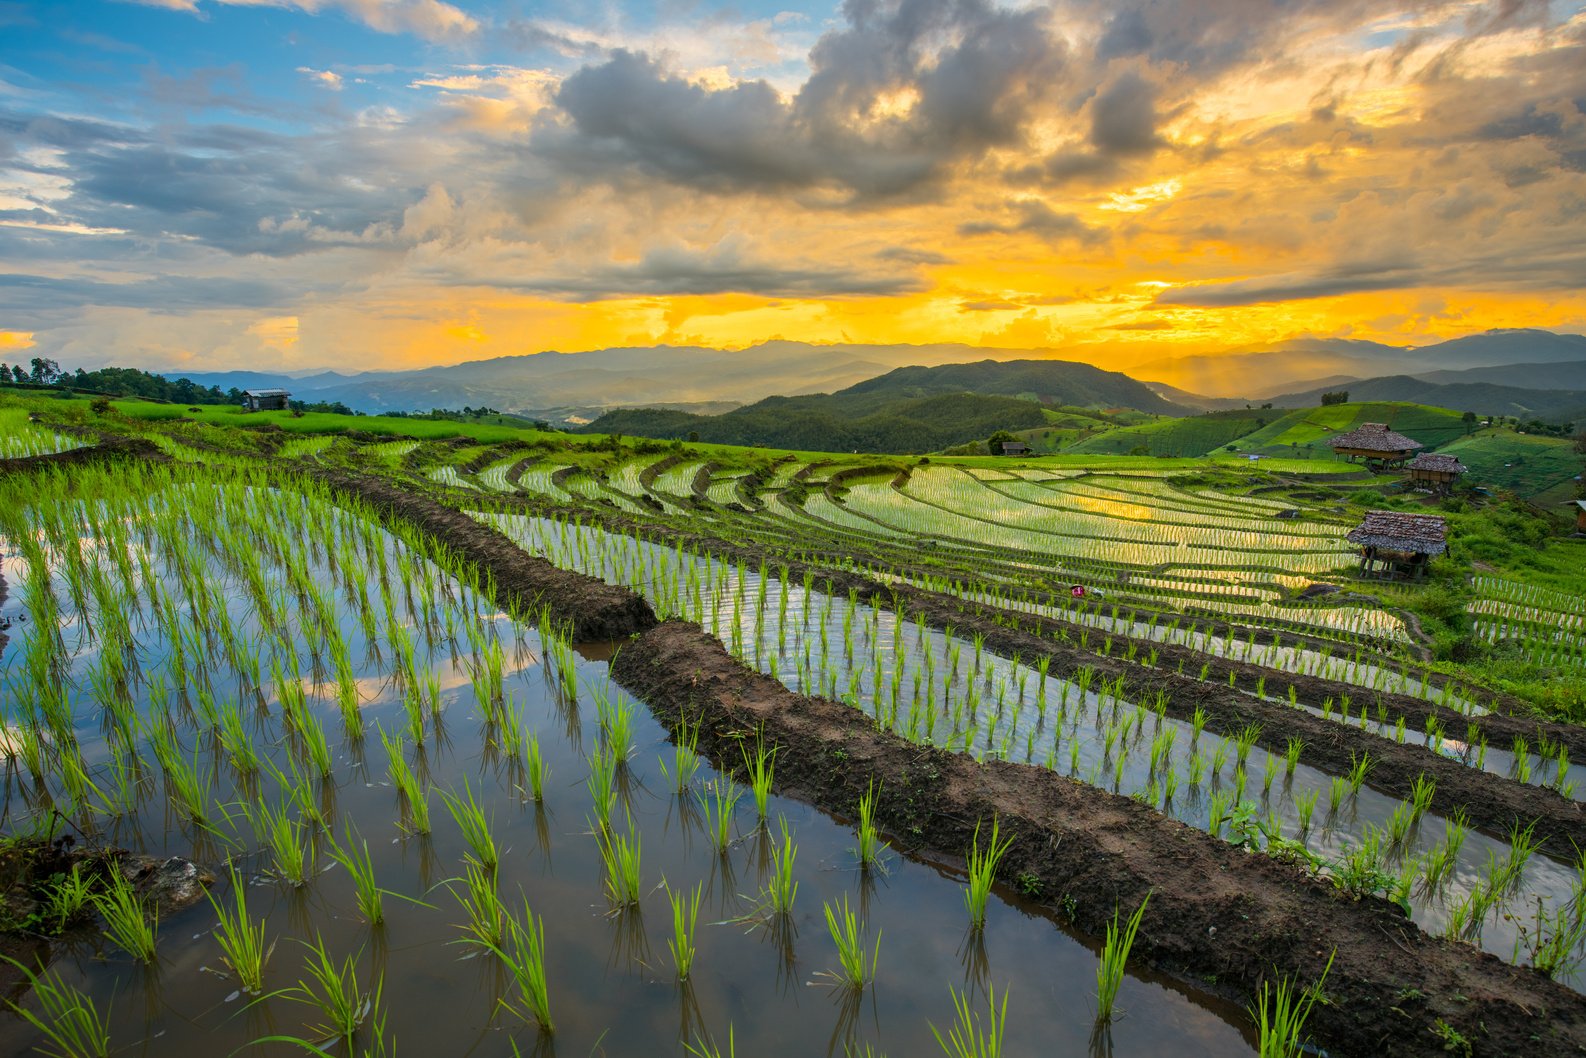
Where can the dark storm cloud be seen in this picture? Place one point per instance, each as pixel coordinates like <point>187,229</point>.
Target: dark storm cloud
<point>723,269</point>
<point>1123,118</point>
<point>1037,218</point>
<point>973,75</point>
<point>1529,121</point>
<point>30,293</point>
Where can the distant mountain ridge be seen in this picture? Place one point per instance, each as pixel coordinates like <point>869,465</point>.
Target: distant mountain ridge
<point>910,409</point>
<point>580,386</point>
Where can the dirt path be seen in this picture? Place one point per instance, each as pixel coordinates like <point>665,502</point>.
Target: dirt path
<point>1220,918</point>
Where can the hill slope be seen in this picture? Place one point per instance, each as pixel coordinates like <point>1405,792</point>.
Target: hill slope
<point>1483,398</point>
<point>1307,430</point>
<point>1048,381</point>
<point>816,424</point>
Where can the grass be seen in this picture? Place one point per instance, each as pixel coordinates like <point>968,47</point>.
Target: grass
<point>125,921</point>
<point>717,802</point>
<point>355,857</point>
<point>1280,1014</point>
<point>982,868</point>
<point>967,1037</point>
<point>685,916</point>
<point>523,954</point>
<point>475,826</point>
<point>1114,957</point>
<point>66,1018</point>
<point>855,969</point>
<point>333,989</point>
<point>870,844</point>
<point>241,937</point>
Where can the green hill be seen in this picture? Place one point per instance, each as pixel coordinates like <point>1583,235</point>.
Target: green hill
<point>1057,382</point>
<point>1484,398</point>
<point>1196,435</point>
<point>822,423</point>
<point>1528,464</point>
<point>1307,430</point>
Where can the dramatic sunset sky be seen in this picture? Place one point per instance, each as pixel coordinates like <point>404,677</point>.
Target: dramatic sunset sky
<point>395,183</point>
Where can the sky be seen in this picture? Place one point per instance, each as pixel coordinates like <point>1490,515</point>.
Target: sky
<point>384,184</point>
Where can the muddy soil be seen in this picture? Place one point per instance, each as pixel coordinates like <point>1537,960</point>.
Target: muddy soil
<point>110,449</point>
<point>1220,918</point>
<point>521,582</point>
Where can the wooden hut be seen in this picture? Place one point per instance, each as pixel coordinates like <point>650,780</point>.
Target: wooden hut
<point>1434,472</point>
<point>1396,544</point>
<point>1580,517</point>
<point>1375,445</point>
<point>1015,448</point>
<point>264,399</point>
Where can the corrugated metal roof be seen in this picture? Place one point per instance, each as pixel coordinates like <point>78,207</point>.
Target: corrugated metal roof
<point>1424,534</point>
<point>1375,437</point>
<point>267,392</point>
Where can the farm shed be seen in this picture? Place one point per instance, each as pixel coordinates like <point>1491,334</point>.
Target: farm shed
<point>264,399</point>
<point>1396,544</point>
<point>1015,448</point>
<point>1434,472</point>
<point>1580,516</point>
<point>1375,445</point>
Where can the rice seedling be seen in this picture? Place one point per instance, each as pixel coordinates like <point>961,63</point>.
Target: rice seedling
<point>967,1037</point>
<point>685,757</point>
<point>1305,806</point>
<point>360,866</point>
<point>620,853</point>
<point>68,898</point>
<point>761,768</point>
<point>523,954</point>
<point>1114,955</point>
<point>282,834</point>
<point>870,844</point>
<point>475,826</point>
<point>685,916</point>
<point>1421,791</point>
<point>601,783</point>
<point>1280,1014</point>
<point>487,915</point>
<point>1358,771</point>
<point>125,921</point>
<point>855,969</point>
<point>982,867</point>
<point>717,801</point>
<point>335,992</point>
<point>241,937</point>
<point>538,771</point>
<point>66,1018</point>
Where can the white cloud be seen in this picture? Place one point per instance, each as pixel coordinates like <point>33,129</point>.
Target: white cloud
<point>433,20</point>
<point>325,78</point>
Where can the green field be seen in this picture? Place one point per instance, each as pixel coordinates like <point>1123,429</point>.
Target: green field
<point>1194,436</point>
<point>1310,428</point>
<point>1531,466</point>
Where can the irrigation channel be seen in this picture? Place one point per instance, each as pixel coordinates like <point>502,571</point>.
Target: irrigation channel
<point>1507,893</point>
<point>298,695</point>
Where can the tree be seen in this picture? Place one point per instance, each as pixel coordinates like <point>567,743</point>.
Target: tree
<point>1469,419</point>
<point>994,442</point>
<point>1340,396</point>
<point>45,371</point>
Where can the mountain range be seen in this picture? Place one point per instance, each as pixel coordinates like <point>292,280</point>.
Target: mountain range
<point>1523,370</point>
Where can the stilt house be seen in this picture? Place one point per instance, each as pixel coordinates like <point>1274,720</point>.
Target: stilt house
<point>1375,445</point>
<point>1434,472</point>
<point>1397,544</point>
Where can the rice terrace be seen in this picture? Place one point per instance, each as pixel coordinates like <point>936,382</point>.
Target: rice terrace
<point>814,529</point>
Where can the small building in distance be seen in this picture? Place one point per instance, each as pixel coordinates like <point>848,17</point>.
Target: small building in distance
<point>264,399</point>
<point>1435,472</point>
<point>1015,448</point>
<point>1580,516</point>
<point>1396,544</point>
<point>1375,445</point>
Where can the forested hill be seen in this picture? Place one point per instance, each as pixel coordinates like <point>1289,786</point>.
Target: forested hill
<point>1049,381</point>
<point>826,423</point>
<point>911,409</point>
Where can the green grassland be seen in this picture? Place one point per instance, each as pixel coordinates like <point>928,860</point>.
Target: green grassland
<point>1194,436</point>
<point>1529,465</point>
<point>1310,428</point>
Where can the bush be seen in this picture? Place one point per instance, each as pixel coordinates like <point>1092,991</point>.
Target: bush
<point>99,405</point>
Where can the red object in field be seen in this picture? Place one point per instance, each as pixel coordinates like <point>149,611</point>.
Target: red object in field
<point>1077,591</point>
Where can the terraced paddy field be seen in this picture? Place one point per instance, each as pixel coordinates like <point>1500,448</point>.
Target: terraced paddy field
<point>617,749</point>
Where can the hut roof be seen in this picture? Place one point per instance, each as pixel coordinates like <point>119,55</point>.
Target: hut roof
<point>1014,446</point>
<point>1375,437</point>
<point>1423,534</point>
<point>267,392</point>
<point>1441,464</point>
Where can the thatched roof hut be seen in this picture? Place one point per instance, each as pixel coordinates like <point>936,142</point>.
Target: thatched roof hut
<point>1435,471</point>
<point>1374,443</point>
<point>1401,543</point>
